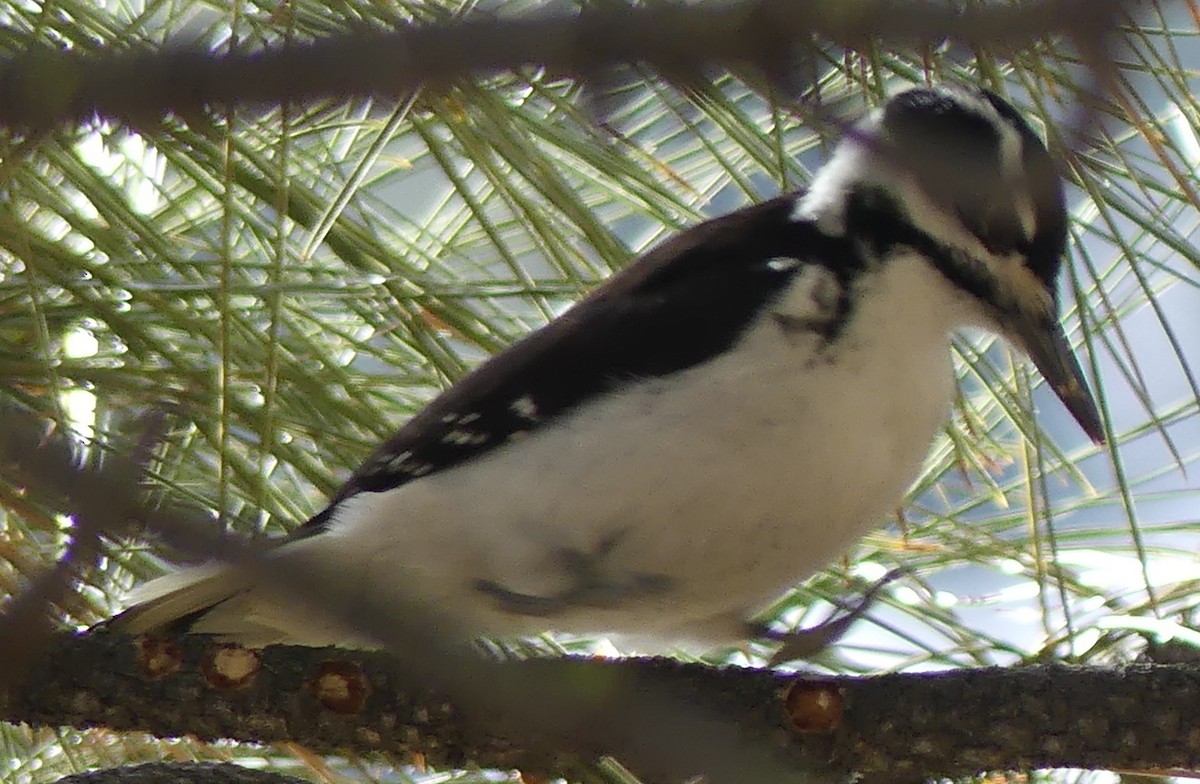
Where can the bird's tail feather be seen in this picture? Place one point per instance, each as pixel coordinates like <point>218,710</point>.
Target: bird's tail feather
<point>175,600</point>
<point>228,603</point>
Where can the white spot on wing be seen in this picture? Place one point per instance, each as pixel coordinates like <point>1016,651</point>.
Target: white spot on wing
<point>783,264</point>
<point>463,437</point>
<point>396,462</point>
<point>525,408</point>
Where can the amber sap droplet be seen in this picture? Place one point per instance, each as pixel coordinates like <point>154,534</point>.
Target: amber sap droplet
<point>159,658</point>
<point>814,706</point>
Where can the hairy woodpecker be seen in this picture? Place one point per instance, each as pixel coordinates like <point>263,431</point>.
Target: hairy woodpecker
<point>711,425</point>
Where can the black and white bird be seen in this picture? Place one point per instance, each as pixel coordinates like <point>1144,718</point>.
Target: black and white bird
<point>711,425</point>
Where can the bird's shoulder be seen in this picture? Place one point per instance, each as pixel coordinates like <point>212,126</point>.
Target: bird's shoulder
<point>675,307</point>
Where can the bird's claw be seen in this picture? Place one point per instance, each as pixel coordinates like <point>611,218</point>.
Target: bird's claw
<point>808,643</point>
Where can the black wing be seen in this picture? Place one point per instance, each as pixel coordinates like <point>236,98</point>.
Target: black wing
<point>675,307</point>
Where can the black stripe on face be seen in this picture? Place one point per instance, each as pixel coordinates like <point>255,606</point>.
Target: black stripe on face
<point>873,215</point>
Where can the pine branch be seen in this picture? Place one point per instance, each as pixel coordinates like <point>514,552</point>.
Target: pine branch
<point>181,773</point>
<point>888,728</point>
<point>44,87</point>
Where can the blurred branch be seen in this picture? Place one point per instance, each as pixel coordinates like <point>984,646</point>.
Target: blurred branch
<point>30,451</point>
<point>45,87</point>
<point>887,728</point>
<point>181,773</point>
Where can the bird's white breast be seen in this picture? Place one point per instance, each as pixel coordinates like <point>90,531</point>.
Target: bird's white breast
<point>732,480</point>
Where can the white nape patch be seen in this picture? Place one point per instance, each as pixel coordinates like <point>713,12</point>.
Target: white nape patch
<point>1025,213</point>
<point>824,201</point>
<point>525,408</point>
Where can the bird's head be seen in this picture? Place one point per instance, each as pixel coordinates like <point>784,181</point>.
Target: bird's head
<point>969,174</point>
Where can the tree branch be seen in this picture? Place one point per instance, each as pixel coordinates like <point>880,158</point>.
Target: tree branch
<point>181,773</point>
<point>45,87</point>
<point>887,728</point>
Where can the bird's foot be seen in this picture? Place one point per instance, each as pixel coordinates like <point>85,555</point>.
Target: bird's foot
<point>807,643</point>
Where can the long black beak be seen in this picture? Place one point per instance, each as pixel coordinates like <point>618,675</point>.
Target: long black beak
<point>1046,345</point>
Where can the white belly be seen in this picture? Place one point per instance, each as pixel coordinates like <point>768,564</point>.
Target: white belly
<point>720,486</point>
